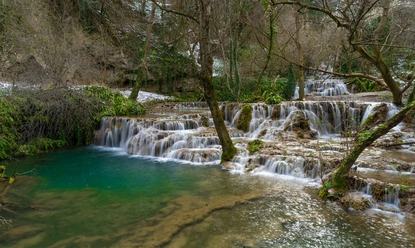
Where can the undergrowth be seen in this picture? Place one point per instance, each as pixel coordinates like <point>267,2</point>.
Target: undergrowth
<point>36,120</point>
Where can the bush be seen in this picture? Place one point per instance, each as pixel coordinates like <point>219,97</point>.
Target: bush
<point>35,120</point>
<point>114,103</point>
<point>365,85</point>
<point>283,89</point>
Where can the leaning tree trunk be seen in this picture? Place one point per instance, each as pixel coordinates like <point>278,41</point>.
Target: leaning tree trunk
<point>366,139</point>
<point>206,63</point>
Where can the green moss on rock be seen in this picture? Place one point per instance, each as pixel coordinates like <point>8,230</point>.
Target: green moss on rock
<point>245,118</point>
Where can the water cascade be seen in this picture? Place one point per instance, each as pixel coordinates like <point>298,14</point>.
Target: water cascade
<point>323,86</point>
<point>186,132</point>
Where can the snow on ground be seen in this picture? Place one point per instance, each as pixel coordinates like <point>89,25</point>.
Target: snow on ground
<point>144,96</point>
<point>4,85</point>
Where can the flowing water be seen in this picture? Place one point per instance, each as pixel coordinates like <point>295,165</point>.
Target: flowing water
<point>103,197</point>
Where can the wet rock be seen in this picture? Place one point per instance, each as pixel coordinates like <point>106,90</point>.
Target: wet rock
<point>356,201</point>
<point>377,117</point>
<point>298,124</point>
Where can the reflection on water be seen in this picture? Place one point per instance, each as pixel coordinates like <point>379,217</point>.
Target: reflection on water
<point>90,197</point>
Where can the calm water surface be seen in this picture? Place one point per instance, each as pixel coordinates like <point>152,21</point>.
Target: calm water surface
<point>95,197</point>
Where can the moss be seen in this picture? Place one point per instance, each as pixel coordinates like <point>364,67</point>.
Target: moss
<point>228,156</point>
<point>255,145</point>
<point>323,193</point>
<point>245,118</point>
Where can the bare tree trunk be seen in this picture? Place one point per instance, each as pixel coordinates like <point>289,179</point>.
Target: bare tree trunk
<point>300,71</point>
<point>366,139</point>
<point>206,62</point>
<point>270,47</point>
<point>142,73</point>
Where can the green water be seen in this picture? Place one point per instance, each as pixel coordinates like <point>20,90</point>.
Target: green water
<point>95,197</point>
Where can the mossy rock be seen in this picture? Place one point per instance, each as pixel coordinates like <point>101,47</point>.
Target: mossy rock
<point>245,118</point>
<point>255,145</point>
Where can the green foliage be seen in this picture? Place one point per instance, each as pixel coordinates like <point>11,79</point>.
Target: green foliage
<point>364,135</point>
<point>404,187</point>
<point>270,92</point>
<point>114,103</point>
<point>255,145</point>
<point>324,190</point>
<point>168,65</point>
<point>283,87</point>
<point>273,98</point>
<point>365,85</point>
<point>36,120</point>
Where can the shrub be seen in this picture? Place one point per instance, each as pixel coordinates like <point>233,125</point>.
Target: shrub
<point>35,120</point>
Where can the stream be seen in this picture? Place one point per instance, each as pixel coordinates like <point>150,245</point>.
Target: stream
<point>155,181</point>
<point>103,197</point>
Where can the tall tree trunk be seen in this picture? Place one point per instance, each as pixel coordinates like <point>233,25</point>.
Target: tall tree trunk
<point>142,72</point>
<point>366,139</point>
<point>300,71</point>
<point>206,63</point>
<point>270,47</point>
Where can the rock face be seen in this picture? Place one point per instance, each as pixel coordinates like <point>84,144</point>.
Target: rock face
<point>378,116</point>
<point>298,125</point>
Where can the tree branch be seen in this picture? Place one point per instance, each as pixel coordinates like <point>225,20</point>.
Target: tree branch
<point>379,81</point>
<point>175,12</point>
<point>329,13</point>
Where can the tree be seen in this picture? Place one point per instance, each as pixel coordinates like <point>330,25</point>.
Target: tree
<point>369,34</point>
<point>374,38</point>
<point>366,139</point>
<point>142,71</point>
<point>270,13</point>
<point>203,17</point>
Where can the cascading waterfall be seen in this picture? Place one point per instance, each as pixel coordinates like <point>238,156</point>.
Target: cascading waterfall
<point>184,135</point>
<point>295,166</point>
<point>323,86</point>
<point>392,196</point>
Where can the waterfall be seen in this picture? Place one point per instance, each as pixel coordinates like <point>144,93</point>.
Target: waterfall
<point>296,166</point>
<point>392,196</point>
<point>367,189</point>
<point>323,86</point>
<point>187,131</point>
<point>326,117</point>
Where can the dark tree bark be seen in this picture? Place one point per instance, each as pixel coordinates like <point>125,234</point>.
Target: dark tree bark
<point>142,72</point>
<point>300,72</point>
<point>206,70</point>
<point>204,9</point>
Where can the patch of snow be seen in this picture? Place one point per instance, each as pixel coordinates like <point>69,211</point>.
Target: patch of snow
<point>144,96</point>
<point>5,85</point>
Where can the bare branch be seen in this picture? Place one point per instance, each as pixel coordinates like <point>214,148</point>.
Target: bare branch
<point>345,75</point>
<point>329,13</point>
<point>175,12</point>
